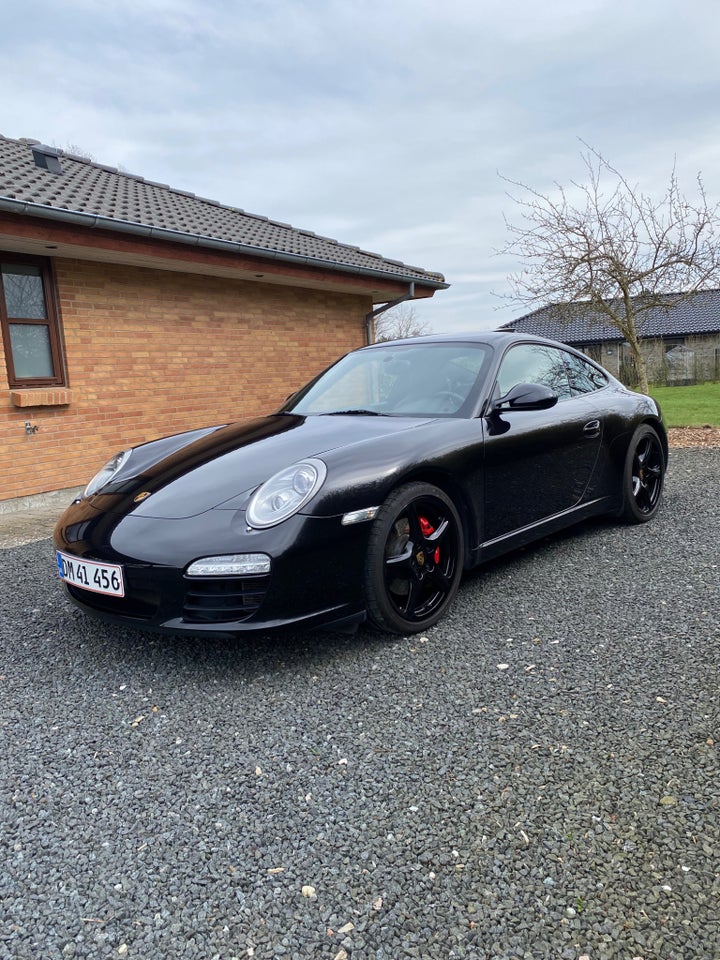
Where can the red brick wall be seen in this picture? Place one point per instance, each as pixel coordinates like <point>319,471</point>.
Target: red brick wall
<point>151,352</point>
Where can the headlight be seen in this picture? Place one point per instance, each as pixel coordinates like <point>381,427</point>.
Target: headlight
<point>284,494</point>
<point>107,473</point>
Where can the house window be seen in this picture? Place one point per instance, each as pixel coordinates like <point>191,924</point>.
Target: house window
<point>30,329</point>
<point>594,351</point>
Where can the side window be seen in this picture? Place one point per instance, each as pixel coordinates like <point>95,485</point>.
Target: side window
<point>584,377</point>
<point>534,363</point>
<point>30,329</point>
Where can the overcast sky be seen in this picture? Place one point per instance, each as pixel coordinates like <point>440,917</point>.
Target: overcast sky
<point>381,123</point>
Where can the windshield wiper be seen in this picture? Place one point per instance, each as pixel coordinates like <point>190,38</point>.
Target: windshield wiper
<point>353,413</point>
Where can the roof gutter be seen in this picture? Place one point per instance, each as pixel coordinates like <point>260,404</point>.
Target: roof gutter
<point>27,208</point>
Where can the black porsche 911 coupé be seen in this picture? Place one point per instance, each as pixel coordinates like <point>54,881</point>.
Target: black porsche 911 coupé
<point>367,494</point>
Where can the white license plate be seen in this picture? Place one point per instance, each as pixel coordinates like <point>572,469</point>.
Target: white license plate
<point>97,577</point>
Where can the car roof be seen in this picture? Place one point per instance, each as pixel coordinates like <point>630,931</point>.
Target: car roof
<point>494,338</point>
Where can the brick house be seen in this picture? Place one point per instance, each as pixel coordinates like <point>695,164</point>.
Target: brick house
<point>130,310</point>
<point>680,340</point>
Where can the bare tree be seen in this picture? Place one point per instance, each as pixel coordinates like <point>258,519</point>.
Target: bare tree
<point>76,151</point>
<point>399,323</point>
<point>613,252</point>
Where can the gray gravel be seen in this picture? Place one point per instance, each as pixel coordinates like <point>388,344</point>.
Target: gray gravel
<point>538,777</point>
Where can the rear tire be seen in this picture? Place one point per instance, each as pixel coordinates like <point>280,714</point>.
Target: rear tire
<point>414,560</point>
<point>643,476</point>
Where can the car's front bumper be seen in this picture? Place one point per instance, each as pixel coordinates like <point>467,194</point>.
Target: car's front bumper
<point>315,580</point>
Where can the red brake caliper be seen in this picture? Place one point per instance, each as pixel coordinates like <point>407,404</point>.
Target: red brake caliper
<point>426,528</point>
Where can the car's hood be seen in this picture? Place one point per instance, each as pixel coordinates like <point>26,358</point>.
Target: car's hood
<point>233,460</point>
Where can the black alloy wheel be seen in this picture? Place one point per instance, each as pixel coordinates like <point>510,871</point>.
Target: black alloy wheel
<point>414,559</point>
<point>644,475</point>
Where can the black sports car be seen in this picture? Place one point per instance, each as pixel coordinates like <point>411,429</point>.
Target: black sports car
<point>367,494</point>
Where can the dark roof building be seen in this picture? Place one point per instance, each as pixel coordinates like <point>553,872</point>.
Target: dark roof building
<point>130,310</point>
<point>41,181</point>
<point>578,324</point>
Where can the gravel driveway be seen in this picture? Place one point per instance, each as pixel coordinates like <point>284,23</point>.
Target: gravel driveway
<point>537,777</point>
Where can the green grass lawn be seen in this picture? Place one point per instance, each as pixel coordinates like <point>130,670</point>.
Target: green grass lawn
<point>693,406</point>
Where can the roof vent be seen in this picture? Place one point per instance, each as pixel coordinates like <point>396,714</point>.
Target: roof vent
<point>47,158</point>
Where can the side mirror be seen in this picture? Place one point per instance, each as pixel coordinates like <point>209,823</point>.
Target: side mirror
<point>525,396</point>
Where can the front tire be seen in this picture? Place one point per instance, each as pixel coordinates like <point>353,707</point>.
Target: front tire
<point>414,559</point>
<point>643,476</point>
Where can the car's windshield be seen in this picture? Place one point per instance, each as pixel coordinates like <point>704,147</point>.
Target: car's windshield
<point>410,380</point>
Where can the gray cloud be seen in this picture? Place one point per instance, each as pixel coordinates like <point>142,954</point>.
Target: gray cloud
<point>383,124</point>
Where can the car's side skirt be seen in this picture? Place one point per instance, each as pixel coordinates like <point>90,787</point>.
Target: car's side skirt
<point>543,528</point>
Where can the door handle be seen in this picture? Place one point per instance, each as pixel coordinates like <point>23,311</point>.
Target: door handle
<point>592,428</point>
